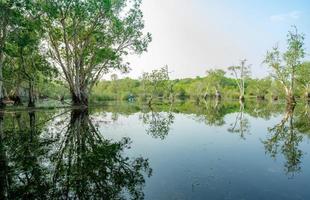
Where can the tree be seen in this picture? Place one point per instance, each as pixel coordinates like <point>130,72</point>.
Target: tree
<point>240,73</point>
<point>23,49</point>
<point>303,78</point>
<point>7,13</point>
<point>86,39</point>
<point>286,65</point>
<point>214,81</point>
<point>155,82</point>
<point>114,84</point>
<point>259,87</point>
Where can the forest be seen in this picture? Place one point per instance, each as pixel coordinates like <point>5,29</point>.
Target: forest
<point>56,53</point>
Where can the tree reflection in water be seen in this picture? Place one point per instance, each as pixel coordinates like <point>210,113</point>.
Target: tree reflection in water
<point>241,124</point>
<point>213,113</point>
<point>286,137</point>
<point>75,163</point>
<point>158,123</point>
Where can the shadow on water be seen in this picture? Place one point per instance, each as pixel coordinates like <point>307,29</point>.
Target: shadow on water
<point>69,160</point>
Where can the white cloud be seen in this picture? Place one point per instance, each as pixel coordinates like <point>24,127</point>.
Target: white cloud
<point>293,15</point>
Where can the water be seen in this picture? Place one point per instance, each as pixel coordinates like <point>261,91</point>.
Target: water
<point>209,150</point>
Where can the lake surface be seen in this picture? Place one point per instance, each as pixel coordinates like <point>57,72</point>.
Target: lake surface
<point>204,150</point>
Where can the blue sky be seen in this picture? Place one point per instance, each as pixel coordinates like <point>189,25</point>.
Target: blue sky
<point>192,36</point>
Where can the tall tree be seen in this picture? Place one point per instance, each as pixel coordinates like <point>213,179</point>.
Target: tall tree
<point>23,47</point>
<point>285,65</point>
<point>240,73</point>
<point>6,21</point>
<point>88,38</point>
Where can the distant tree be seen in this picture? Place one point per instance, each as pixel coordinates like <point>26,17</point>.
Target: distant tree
<point>259,87</point>
<point>240,73</point>
<point>155,82</point>
<point>214,81</point>
<point>114,83</point>
<point>286,65</point>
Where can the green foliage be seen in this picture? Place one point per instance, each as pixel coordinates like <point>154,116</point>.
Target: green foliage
<point>87,39</point>
<point>285,65</point>
<point>192,88</point>
<point>155,83</point>
<point>303,79</point>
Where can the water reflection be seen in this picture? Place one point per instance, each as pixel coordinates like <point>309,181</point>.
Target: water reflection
<point>70,160</point>
<point>214,113</point>
<point>22,157</point>
<point>65,154</point>
<point>158,123</point>
<point>286,137</point>
<point>241,124</point>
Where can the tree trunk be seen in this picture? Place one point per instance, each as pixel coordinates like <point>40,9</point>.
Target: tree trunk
<point>80,98</point>
<point>1,81</point>
<point>218,95</point>
<point>290,98</point>
<point>150,101</point>
<point>31,100</point>
<point>241,98</point>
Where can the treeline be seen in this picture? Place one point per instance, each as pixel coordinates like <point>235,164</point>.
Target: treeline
<point>289,79</point>
<point>216,84</point>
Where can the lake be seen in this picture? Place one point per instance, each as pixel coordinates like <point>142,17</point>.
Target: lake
<point>186,150</point>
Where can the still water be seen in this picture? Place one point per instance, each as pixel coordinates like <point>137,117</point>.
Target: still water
<point>205,150</point>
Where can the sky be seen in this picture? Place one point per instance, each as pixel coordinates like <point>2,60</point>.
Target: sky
<point>193,36</point>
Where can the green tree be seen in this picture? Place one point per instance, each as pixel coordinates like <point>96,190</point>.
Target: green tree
<point>7,20</point>
<point>303,78</point>
<point>259,87</point>
<point>155,82</point>
<point>214,81</point>
<point>240,73</point>
<point>285,65</point>
<point>23,46</point>
<point>86,39</point>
